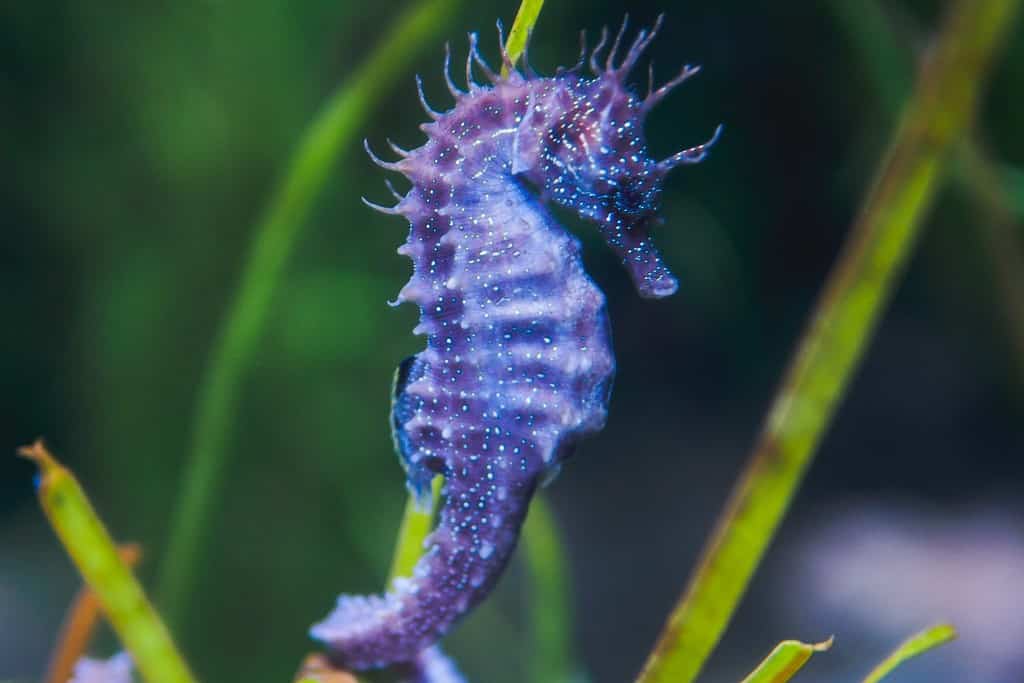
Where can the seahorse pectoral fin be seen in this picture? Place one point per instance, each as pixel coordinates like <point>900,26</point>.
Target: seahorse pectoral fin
<point>418,473</point>
<point>408,370</point>
<point>402,377</point>
<point>519,166</point>
<point>523,141</point>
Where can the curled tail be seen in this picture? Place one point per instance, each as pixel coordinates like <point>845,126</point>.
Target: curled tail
<point>465,555</point>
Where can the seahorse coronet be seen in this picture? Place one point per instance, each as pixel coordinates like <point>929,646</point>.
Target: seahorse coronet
<point>518,365</point>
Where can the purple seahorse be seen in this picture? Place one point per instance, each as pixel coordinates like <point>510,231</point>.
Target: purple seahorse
<point>518,364</point>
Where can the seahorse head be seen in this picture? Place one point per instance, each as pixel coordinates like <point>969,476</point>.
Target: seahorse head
<point>592,157</point>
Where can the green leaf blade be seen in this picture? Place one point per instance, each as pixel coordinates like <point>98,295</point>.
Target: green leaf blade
<point>416,526</point>
<point>917,644</point>
<point>551,651</point>
<point>785,661</point>
<point>526,19</point>
<point>93,551</point>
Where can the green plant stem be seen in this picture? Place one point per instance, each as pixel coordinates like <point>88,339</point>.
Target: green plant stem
<point>914,646</point>
<point>108,575</point>
<point>876,251</point>
<point>79,625</point>
<point>522,26</point>
<point>889,68</point>
<point>785,661</point>
<point>330,136</point>
<point>416,525</point>
<point>551,657</point>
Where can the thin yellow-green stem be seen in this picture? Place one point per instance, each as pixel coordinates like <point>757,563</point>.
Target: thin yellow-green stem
<point>785,661</point>
<point>876,251</point>
<point>330,136</point>
<point>109,577</point>
<point>551,657</point>
<point>889,67</point>
<point>80,623</point>
<point>416,525</point>
<point>550,644</point>
<point>912,647</point>
<point>526,19</point>
<point>413,530</point>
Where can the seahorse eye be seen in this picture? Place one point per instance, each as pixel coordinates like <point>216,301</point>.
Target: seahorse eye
<point>627,201</point>
<point>633,199</point>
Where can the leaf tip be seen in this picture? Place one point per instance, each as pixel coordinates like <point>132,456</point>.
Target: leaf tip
<point>38,453</point>
<point>825,645</point>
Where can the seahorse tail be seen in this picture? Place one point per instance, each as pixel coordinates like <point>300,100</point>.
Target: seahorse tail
<point>466,553</point>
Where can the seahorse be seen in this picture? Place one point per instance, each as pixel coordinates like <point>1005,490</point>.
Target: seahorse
<point>518,364</point>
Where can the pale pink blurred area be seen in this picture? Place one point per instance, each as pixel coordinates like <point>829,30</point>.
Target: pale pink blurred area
<point>871,571</point>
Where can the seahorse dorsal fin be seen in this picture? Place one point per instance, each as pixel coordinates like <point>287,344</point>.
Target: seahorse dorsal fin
<point>521,156</point>
<point>519,164</point>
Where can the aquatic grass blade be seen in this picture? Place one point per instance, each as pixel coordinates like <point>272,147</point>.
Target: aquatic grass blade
<point>990,185</point>
<point>522,26</point>
<point>331,136</point>
<point>550,649</point>
<point>80,623</point>
<point>875,253</point>
<point>785,661</point>
<point>416,525</point>
<point>94,553</point>
<point>915,645</point>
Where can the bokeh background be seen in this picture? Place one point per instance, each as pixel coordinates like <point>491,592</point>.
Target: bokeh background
<point>141,142</point>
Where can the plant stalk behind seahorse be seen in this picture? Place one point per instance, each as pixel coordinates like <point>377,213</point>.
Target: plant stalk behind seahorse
<point>518,365</point>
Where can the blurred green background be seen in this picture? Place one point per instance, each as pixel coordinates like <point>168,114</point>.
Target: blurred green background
<point>142,142</point>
